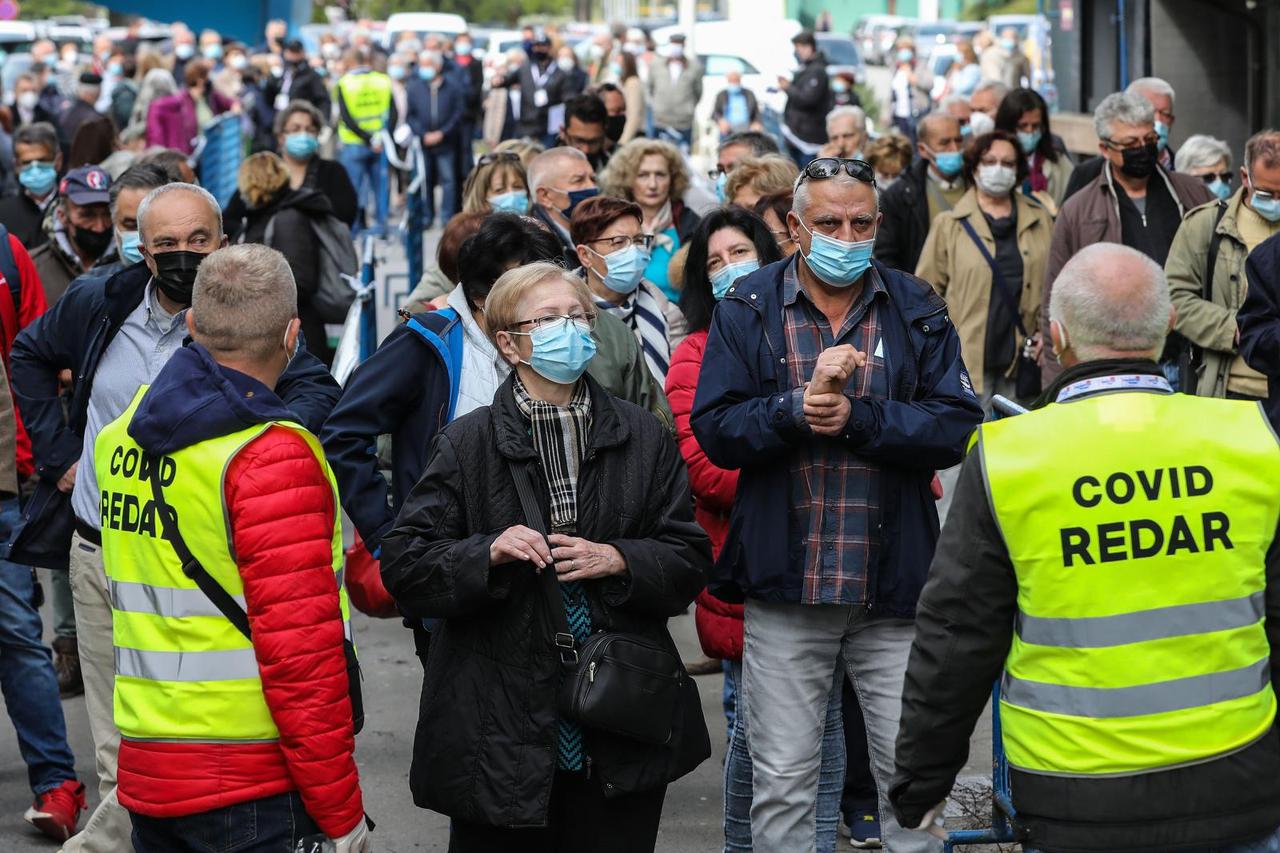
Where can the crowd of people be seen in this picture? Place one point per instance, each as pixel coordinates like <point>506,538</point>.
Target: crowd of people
<point>612,397</point>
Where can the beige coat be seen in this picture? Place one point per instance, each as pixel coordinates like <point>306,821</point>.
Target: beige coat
<point>954,266</point>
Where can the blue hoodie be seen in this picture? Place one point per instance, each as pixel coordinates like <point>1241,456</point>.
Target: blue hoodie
<point>194,399</point>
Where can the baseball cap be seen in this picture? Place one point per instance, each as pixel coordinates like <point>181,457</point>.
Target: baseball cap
<point>86,185</point>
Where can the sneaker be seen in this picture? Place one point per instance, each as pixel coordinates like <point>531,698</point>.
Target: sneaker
<point>66,663</point>
<point>864,831</point>
<point>56,811</point>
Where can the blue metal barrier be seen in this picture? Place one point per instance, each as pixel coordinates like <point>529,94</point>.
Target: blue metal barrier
<point>218,160</point>
<point>368,306</point>
<point>1002,829</point>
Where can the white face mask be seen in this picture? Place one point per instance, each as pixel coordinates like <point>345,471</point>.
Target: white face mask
<point>28,100</point>
<point>565,63</point>
<point>994,179</point>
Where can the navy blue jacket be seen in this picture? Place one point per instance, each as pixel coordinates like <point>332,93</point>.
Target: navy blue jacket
<point>440,110</point>
<point>1259,321</point>
<point>73,335</point>
<point>405,390</point>
<point>742,419</point>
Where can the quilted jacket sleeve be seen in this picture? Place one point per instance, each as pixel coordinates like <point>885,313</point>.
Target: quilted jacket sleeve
<point>712,486</point>
<point>281,509</point>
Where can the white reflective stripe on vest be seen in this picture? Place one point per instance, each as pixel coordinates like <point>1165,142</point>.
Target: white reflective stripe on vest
<point>1184,620</point>
<point>163,600</point>
<point>224,665</point>
<point>1140,700</point>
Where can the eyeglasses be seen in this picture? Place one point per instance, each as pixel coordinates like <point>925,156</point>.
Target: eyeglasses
<point>1130,144</point>
<point>1225,177</point>
<point>584,321</point>
<point>783,236</point>
<point>640,241</point>
<point>829,167</point>
<point>714,174</point>
<point>498,157</point>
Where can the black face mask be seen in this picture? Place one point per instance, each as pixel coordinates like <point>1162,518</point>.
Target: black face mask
<point>540,56</point>
<point>176,274</point>
<point>613,126</point>
<point>92,243</point>
<point>1140,162</point>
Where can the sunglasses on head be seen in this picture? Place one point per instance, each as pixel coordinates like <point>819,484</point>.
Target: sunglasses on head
<point>498,157</point>
<point>829,167</point>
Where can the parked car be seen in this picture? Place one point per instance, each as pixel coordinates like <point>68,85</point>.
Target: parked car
<point>842,55</point>
<point>422,24</point>
<point>875,35</point>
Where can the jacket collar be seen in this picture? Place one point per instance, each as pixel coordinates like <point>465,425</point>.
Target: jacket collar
<point>967,208</point>
<point>125,290</point>
<point>1094,369</point>
<point>1108,185</point>
<point>511,432</point>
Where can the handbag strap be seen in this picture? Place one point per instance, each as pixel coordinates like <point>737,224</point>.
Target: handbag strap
<point>1001,286</point>
<point>564,641</point>
<point>191,567</point>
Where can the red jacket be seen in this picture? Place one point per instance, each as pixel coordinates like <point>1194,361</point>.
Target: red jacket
<point>31,305</point>
<point>719,623</point>
<point>281,510</point>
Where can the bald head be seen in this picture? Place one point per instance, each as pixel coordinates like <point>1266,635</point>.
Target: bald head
<point>1109,301</point>
<point>937,125</point>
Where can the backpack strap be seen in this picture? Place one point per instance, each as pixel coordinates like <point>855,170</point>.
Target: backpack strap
<point>449,348</point>
<point>1211,260</point>
<point>9,267</point>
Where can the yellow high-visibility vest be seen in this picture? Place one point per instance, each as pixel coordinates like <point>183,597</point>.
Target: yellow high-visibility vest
<point>368,99</point>
<point>183,670</point>
<point>1138,525</point>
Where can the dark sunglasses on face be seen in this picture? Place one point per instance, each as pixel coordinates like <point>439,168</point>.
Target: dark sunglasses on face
<point>498,157</point>
<point>829,167</point>
<point>1225,177</point>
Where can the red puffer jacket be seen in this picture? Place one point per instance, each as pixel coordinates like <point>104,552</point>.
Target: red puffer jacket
<point>719,623</point>
<point>281,509</point>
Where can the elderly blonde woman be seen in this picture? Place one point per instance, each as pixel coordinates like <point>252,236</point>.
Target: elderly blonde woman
<point>624,554</point>
<point>653,175</point>
<point>497,184</point>
<point>754,177</point>
<point>1209,159</point>
<point>279,216</point>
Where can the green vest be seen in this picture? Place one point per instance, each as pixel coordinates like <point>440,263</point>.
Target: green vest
<point>1138,526</point>
<point>368,99</point>
<point>183,671</point>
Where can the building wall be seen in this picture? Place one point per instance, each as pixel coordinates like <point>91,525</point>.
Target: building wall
<point>845,14</point>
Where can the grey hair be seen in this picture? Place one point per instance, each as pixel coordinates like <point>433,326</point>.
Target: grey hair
<point>541,167</point>
<point>1111,298</point>
<point>1200,151</point>
<point>1153,85</point>
<point>848,111</point>
<point>800,192</point>
<point>996,86</point>
<point>156,193</point>
<point>38,133</point>
<point>1121,108</point>
<point>140,176</point>
<point>759,143</point>
<point>950,101</point>
<point>1265,146</point>
<point>243,300</point>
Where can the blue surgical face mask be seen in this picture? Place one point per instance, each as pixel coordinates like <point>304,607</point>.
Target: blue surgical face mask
<point>839,86</point>
<point>516,201</point>
<point>1162,131</point>
<point>905,55</point>
<point>561,352</point>
<point>733,89</point>
<point>184,51</point>
<point>462,48</point>
<point>396,72</point>
<point>129,242</point>
<point>38,178</point>
<point>721,181</point>
<point>966,131</point>
<point>1029,141</point>
<point>1220,188</point>
<point>836,262</point>
<point>624,268</point>
<point>301,146</point>
<point>577,197</point>
<point>723,278</point>
<point>949,163</point>
<point>212,51</point>
<point>115,69</point>
<point>1267,208</point>
<point>1009,44</point>
<point>427,72</point>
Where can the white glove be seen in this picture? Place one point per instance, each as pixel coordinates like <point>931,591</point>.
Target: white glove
<point>402,135</point>
<point>355,841</point>
<point>932,822</point>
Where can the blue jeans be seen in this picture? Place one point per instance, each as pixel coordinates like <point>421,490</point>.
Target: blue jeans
<point>270,825</point>
<point>368,170</point>
<point>27,679</point>
<point>440,162</point>
<point>737,773</point>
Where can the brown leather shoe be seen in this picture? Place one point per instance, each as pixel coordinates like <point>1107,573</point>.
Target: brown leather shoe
<point>66,663</point>
<point>706,666</point>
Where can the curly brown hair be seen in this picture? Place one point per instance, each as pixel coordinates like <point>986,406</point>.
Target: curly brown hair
<point>618,177</point>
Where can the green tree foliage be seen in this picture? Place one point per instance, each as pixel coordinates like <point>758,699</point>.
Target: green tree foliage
<point>34,10</point>
<point>980,10</point>
<point>505,12</point>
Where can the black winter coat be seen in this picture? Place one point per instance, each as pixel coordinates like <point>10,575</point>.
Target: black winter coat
<point>906,220</point>
<point>485,749</point>
<point>809,101</point>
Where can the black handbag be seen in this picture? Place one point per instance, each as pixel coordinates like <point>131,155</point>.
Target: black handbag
<point>616,682</point>
<point>195,570</point>
<point>1027,373</point>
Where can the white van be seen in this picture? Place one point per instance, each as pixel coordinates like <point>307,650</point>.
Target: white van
<point>422,24</point>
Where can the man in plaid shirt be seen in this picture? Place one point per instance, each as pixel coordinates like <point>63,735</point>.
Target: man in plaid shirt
<point>836,385</point>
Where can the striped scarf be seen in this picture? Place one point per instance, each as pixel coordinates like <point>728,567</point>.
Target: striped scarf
<point>643,314</point>
<point>560,440</point>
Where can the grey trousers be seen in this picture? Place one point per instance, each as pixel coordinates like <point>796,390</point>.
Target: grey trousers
<point>789,655</point>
